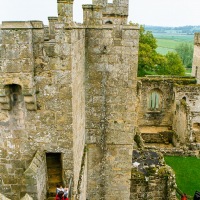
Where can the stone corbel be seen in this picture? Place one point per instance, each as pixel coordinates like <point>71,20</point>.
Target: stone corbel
<point>30,99</point>
<point>4,100</point>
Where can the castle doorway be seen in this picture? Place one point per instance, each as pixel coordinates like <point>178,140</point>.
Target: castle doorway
<point>54,172</point>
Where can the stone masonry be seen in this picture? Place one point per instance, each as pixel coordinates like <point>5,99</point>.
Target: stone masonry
<point>72,90</point>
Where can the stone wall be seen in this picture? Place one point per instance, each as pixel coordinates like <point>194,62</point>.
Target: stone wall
<point>188,98</point>
<point>180,124</point>
<point>35,177</point>
<point>196,58</point>
<point>111,72</point>
<point>154,187</point>
<point>50,102</point>
<point>161,116</point>
<point>78,100</point>
<point>151,179</point>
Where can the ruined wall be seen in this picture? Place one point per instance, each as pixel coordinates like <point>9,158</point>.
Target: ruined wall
<point>161,116</point>
<point>111,71</point>
<point>180,124</point>
<point>154,187</point>
<point>151,178</point>
<point>190,94</point>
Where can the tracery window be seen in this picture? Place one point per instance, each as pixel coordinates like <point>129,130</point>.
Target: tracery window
<point>155,100</point>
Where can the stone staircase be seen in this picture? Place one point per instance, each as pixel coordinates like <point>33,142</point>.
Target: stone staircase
<point>159,135</point>
<point>54,171</point>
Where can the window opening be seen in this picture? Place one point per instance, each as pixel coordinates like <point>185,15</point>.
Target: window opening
<point>14,92</point>
<point>184,98</point>
<point>108,22</point>
<point>155,100</point>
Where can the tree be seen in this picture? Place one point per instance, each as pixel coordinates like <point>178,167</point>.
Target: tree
<point>151,62</point>
<point>185,51</point>
<point>148,57</point>
<point>174,65</point>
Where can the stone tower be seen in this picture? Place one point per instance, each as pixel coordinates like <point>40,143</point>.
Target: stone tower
<point>196,58</point>
<point>111,72</point>
<point>115,12</point>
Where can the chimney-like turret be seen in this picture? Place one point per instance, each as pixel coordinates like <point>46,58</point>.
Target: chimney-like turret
<point>113,12</point>
<point>65,11</point>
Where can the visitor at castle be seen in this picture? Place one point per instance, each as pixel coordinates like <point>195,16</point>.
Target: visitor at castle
<point>59,188</point>
<point>184,197</point>
<point>60,196</point>
<point>66,191</point>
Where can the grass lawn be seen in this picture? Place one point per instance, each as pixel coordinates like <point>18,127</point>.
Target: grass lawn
<point>187,170</point>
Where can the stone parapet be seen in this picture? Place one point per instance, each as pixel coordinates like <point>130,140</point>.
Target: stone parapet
<point>6,25</point>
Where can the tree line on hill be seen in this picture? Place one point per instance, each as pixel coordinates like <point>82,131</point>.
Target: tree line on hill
<point>188,30</point>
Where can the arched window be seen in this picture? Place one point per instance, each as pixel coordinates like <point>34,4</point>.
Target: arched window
<point>155,100</point>
<point>108,22</point>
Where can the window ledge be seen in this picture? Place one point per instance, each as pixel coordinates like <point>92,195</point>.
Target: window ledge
<point>153,111</point>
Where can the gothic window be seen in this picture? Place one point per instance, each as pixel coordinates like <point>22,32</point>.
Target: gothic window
<point>154,101</point>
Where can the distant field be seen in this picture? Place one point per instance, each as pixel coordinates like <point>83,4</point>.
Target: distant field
<point>168,42</point>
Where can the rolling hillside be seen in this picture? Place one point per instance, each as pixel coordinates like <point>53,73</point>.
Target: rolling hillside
<point>170,37</point>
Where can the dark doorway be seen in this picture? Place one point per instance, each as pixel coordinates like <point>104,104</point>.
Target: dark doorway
<point>54,172</point>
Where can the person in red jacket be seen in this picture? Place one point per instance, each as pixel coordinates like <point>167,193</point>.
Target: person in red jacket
<point>60,196</point>
<point>184,197</point>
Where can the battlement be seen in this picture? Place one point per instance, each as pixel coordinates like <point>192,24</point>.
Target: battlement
<point>103,12</point>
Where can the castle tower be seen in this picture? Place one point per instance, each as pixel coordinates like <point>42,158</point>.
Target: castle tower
<point>65,11</point>
<point>196,58</point>
<point>112,12</point>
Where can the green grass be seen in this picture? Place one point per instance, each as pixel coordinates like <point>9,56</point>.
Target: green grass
<point>188,71</point>
<point>168,42</point>
<point>187,170</point>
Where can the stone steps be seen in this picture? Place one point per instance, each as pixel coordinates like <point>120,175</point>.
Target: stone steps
<point>159,137</point>
<point>54,171</point>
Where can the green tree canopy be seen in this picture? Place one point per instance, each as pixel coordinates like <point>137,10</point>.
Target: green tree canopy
<point>151,62</point>
<point>174,65</point>
<point>185,51</point>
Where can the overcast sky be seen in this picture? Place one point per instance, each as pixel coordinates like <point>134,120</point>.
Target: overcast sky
<point>148,12</point>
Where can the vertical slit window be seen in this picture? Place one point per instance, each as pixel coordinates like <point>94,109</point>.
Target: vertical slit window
<point>154,100</point>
